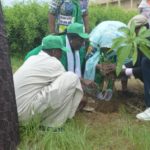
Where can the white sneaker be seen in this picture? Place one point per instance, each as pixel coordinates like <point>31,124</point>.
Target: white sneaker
<point>145,115</point>
<point>89,109</point>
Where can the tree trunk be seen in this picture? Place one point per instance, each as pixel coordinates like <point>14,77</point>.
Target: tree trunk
<point>9,133</point>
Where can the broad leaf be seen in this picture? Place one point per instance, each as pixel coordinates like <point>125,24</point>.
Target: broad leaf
<point>122,54</point>
<point>144,33</point>
<point>118,42</point>
<point>142,30</point>
<point>145,50</point>
<point>128,44</point>
<point>132,28</point>
<point>144,41</point>
<point>124,30</point>
<point>135,54</point>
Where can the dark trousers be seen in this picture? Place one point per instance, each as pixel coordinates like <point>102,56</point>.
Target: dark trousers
<point>145,68</point>
<point>141,70</point>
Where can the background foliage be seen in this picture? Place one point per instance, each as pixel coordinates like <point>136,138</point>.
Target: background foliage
<point>99,13</point>
<point>26,24</point>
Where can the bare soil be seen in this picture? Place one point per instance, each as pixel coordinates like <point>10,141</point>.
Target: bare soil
<point>133,99</point>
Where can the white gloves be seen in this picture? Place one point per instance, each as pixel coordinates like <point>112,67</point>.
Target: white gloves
<point>128,71</point>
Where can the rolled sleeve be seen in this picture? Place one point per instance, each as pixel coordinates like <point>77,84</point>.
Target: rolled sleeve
<point>54,5</point>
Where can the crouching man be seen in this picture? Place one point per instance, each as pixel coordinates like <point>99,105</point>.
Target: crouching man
<point>43,86</point>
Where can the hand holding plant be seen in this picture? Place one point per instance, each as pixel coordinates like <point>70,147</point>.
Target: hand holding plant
<point>127,46</point>
<point>106,68</point>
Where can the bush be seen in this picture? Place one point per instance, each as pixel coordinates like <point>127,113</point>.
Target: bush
<point>26,24</point>
<point>99,13</point>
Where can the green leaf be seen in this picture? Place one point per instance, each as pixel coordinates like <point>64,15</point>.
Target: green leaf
<point>122,53</point>
<point>144,41</point>
<point>135,53</point>
<point>137,40</point>
<point>142,31</point>
<point>118,42</point>
<point>132,28</point>
<point>124,30</point>
<point>145,50</point>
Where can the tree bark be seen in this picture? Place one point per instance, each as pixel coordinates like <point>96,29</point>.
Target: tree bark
<point>9,133</point>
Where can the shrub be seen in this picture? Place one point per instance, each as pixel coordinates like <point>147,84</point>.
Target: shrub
<point>99,13</point>
<point>26,24</point>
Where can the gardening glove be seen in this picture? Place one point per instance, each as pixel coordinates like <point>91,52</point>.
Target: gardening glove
<point>105,95</point>
<point>129,72</point>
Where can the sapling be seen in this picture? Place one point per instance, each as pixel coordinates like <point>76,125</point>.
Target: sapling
<point>128,45</point>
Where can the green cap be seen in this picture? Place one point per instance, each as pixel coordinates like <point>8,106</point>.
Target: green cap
<point>78,29</point>
<point>52,42</point>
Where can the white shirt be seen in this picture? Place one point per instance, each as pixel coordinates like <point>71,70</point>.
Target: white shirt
<point>37,72</point>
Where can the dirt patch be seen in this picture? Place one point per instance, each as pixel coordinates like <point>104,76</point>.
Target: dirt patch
<point>99,117</point>
<point>133,99</point>
<point>107,106</point>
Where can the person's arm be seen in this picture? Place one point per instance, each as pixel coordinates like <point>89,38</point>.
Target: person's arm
<point>52,23</point>
<point>86,22</point>
<point>130,70</point>
<point>136,71</point>
<point>85,14</point>
<point>54,6</point>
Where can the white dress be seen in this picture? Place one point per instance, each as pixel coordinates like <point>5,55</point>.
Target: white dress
<point>42,86</point>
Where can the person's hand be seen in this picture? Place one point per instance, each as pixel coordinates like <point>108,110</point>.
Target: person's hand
<point>126,71</point>
<point>90,88</point>
<point>106,68</point>
<point>88,83</point>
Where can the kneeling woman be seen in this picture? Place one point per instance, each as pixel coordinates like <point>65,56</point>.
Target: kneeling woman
<point>100,65</point>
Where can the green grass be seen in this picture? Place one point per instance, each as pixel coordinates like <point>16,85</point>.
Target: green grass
<point>16,62</point>
<point>73,137</point>
<point>96,131</point>
<point>121,132</point>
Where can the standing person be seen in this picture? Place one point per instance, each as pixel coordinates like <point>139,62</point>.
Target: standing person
<point>64,12</point>
<point>44,88</point>
<point>144,9</point>
<point>141,69</point>
<point>9,134</point>
<point>101,40</point>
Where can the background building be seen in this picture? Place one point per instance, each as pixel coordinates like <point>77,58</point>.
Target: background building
<point>123,3</point>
